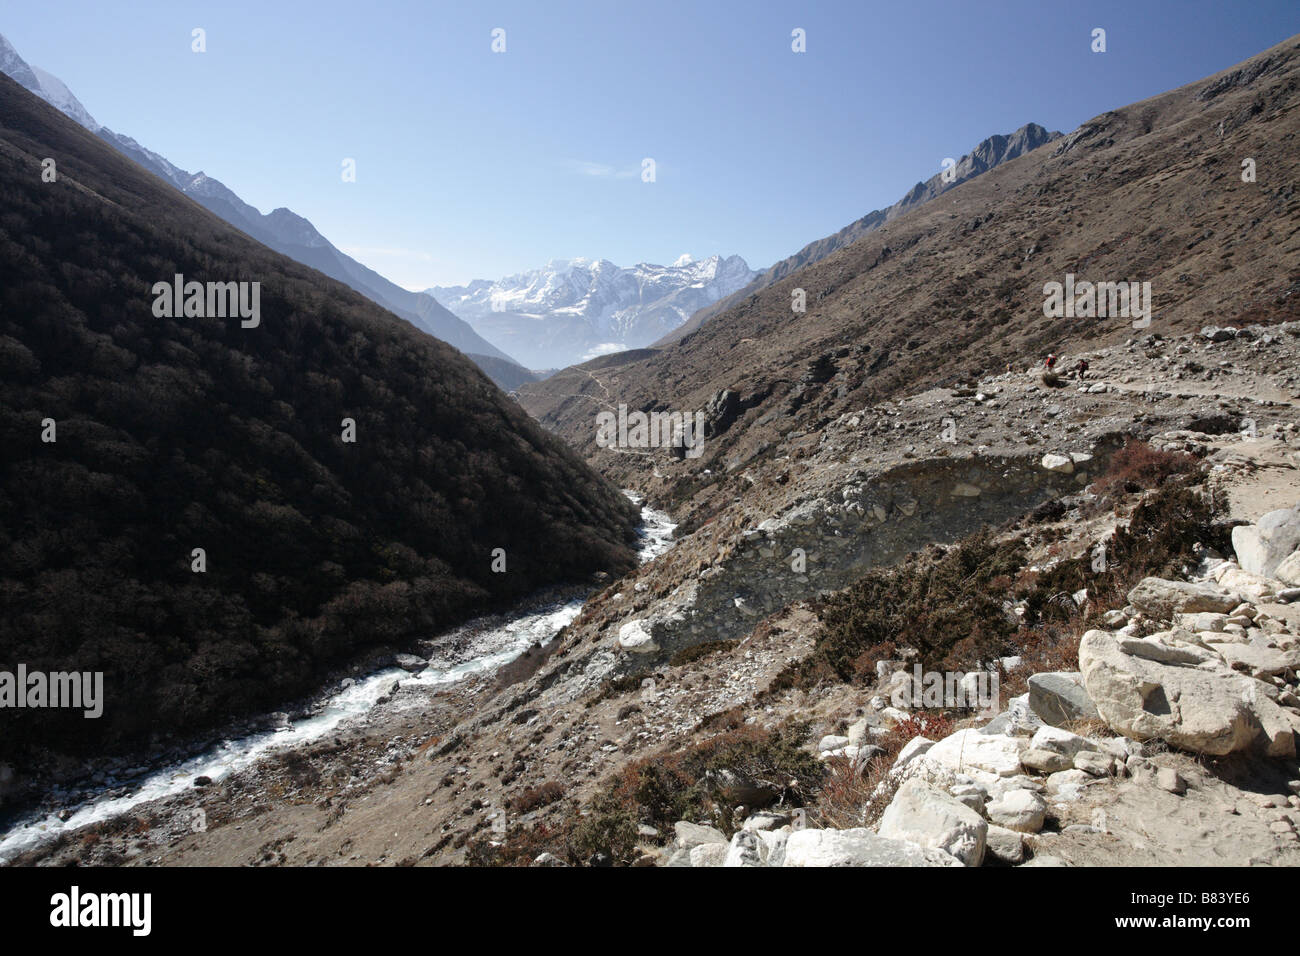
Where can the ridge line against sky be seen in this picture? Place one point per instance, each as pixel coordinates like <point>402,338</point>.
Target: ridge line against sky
<point>475,165</point>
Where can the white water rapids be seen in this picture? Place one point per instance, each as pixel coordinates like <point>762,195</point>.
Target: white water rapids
<point>489,650</point>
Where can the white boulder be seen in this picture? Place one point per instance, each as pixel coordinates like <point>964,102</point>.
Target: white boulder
<point>994,753</point>
<point>1262,547</point>
<point>931,818</point>
<point>858,847</point>
<point>1207,709</point>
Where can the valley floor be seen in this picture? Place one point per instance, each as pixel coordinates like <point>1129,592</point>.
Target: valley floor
<point>424,775</point>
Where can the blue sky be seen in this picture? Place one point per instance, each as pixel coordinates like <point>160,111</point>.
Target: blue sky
<point>472,164</point>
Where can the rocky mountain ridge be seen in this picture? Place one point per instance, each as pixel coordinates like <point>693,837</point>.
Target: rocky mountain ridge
<point>954,289</point>
<point>575,309</point>
<point>990,152</point>
<point>281,229</point>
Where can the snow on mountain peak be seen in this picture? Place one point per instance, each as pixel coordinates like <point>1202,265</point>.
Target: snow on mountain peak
<point>558,314</point>
<point>45,85</point>
<point>55,92</point>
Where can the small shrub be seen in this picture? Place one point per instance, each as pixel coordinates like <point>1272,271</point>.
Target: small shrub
<point>540,796</point>
<point>688,655</point>
<point>668,787</point>
<point>1139,467</point>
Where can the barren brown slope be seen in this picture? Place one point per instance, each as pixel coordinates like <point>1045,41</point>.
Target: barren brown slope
<point>989,153</point>
<point>1150,192</point>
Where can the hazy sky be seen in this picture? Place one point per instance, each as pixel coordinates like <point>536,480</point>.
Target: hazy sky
<point>474,164</point>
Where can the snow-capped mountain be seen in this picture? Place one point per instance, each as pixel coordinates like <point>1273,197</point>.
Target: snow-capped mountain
<point>283,230</point>
<point>575,309</point>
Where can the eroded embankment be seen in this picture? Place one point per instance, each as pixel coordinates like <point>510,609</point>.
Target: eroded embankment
<point>824,543</point>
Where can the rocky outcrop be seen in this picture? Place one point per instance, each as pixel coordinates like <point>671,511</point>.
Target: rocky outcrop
<point>1060,698</point>
<point>1164,694</point>
<point>858,847</point>
<point>827,543</point>
<point>1262,547</point>
<point>931,818</point>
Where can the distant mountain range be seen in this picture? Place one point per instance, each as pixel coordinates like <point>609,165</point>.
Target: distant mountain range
<point>281,229</point>
<point>947,286</point>
<point>576,309</point>
<point>990,153</point>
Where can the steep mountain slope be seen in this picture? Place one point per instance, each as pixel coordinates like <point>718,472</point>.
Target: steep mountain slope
<point>546,745</point>
<point>574,309</point>
<point>347,478</point>
<point>1152,192</point>
<point>989,153</point>
<point>281,229</point>
<point>507,375</point>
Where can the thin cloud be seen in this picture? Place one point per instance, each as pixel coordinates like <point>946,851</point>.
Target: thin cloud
<point>607,348</point>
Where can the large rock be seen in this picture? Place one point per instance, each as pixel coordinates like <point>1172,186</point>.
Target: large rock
<point>1254,587</point>
<point>1019,810</point>
<point>709,854</point>
<point>690,835</point>
<point>635,638</point>
<point>1059,698</point>
<point>1167,647</point>
<point>930,818</point>
<point>411,663</point>
<point>1161,599</point>
<point>1060,741</point>
<point>744,850</point>
<point>1258,659</point>
<point>1262,547</point>
<point>1045,761</point>
<point>1207,709</point>
<point>995,753</point>
<point>1288,572</point>
<point>914,748</point>
<point>1005,846</point>
<point>858,847</point>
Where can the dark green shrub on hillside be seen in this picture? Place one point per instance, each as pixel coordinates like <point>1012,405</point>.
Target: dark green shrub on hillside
<point>183,433</point>
<point>683,785</point>
<point>953,609</point>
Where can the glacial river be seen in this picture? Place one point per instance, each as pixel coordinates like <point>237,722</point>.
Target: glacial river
<point>489,649</point>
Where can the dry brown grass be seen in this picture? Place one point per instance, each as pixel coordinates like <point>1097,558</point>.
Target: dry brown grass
<point>540,796</point>
<point>857,796</point>
<point>1044,649</point>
